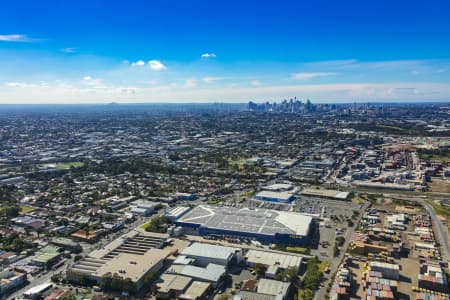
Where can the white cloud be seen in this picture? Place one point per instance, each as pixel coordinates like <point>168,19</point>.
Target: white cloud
<point>310,75</point>
<point>256,83</point>
<point>208,55</point>
<point>90,81</point>
<point>16,84</point>
<point>69,50</point>
<point>156,65</point>
<point>138,63</point>
<point>14,38</point>
<point>190,83</point>
<point>209,79</point>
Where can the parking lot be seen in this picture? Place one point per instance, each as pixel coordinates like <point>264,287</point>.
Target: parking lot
<point>326,208</point>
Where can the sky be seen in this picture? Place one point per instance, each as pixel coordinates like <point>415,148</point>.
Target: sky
<point>224,51</point>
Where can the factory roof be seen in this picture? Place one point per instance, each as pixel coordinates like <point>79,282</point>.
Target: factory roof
<point>271,258</point>
<point>211,251</point>
<point>176,212</point>
<point>326,193</point>
<point>169,282</point>
<point>37,289</point>
<point>211,273</point>
<point>278,187</point>
<point>258,221</point>
<point>283,196</point>
<point>132,265</point>
<point>105,250</point>
<point>195,290</point>
<point>272,287</point>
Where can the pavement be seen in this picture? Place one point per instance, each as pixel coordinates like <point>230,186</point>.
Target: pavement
<point>336,261</point>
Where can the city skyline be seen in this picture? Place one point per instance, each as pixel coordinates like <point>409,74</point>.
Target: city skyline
<point>176,51</point>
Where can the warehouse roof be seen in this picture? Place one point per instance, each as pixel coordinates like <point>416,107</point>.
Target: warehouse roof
<point>131,265</point>
<point>196,290</point>
<point>211,251</point>
<point>258,221</point>
<point>334,194</point>
<point>46,254</point>
<point>283,196</point>
<point>211,272</point>
<point>271,258</point>
<point>272,287</point>
<point>171,282</point>
<point>278,187</point>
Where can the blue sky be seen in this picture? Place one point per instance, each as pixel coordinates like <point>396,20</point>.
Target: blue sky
<point>202,51</point>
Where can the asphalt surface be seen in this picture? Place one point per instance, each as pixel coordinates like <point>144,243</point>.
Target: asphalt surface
<point>336,261</point>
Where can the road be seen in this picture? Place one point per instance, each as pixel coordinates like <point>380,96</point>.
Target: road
<point>336,261</point>
<point>35,281</point>
<point>442,233</point>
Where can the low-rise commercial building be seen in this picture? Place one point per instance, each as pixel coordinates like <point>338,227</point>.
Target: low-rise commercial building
<point>196,291</point>
<point>170,286</point>
<point>212,273</point>
<point>204,254</point>
<point>268,259</point>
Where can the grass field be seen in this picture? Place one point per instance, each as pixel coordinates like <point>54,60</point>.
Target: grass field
<point>68,165</point>
<point>322,266</point>
<point>356,200</point>
<point>145,225</point>
<point>25,209</point>
<point>302,250</point>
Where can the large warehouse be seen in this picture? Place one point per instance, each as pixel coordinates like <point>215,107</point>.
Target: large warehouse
<point>273,196</point>
<point>266,226</point>
<point>134,255</point>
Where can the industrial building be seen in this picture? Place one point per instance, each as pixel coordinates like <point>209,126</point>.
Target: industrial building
<point>273,196</point>
<point>264,289</point>
<point>46,256</point>
<point>326,194</point>
<point>196,291</point>
<point>279,187</point>
<point>133,255</point>
<point>269,259</point>
<point>212,273</point>
<point>176,212</point>
<point>204,254</point>
<point>266,226</point>
<point>170,286</point>
<point>143,207</point>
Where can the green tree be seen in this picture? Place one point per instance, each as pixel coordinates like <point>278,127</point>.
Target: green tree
<point>10,211</point>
